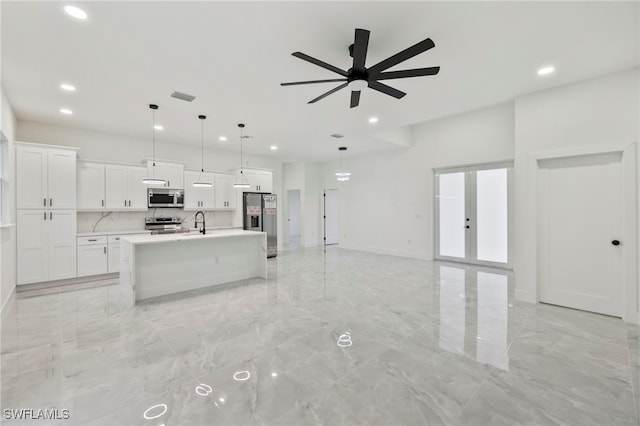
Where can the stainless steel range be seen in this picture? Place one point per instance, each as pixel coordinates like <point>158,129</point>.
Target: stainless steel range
<point>164,225</point>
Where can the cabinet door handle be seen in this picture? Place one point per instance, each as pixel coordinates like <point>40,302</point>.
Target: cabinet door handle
<point>102,203</point>
<point>129,203</point>
<point>44,201</point>
<point>125,203</point>
<point>50,202</point>
<point>50,215</point>
<point>105,250</point>
<point>45,215</point>
<point>92,240</point>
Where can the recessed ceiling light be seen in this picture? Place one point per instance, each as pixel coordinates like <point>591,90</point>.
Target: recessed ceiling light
<point>546,70</point>
<point>373,120</point>
<point>222,138</point>
<point>273,148</point>
<point>158,127</point>
<point>76,12</point>
<point>66,111</point>
<point>68,87</point>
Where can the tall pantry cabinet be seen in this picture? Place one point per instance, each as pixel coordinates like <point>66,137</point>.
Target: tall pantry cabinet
<point>46,212</point>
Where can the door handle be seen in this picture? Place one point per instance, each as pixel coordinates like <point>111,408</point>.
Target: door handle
<point>50,215</point>
<point>50,202</point>
<point>102,203</point>
<point>615,242</point>
<point>44,201</point>
<point>105,250</point>
<point>467,227</point>
<point>125,203</point>
<point>45,215</point>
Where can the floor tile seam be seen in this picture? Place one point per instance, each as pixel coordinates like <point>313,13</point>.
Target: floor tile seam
<point>475,393</point>
<point>634,385</point>
<point>196,379</point>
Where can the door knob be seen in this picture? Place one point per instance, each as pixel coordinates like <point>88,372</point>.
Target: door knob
<point>615,242</point>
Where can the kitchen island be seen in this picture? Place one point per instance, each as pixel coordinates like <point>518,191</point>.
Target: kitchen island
<point>157,265</point>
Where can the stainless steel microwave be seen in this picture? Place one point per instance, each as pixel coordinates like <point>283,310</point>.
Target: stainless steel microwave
<point>165,197</point>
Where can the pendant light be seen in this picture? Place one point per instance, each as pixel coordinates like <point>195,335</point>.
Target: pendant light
<point>341,175</point>
<point>153,180</point>
<point>242,181</point>
<point>200,183</point>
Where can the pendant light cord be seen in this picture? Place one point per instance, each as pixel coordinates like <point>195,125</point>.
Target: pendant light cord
<point>202,145</point>
<point>153,115</point>
<point>240,150</point>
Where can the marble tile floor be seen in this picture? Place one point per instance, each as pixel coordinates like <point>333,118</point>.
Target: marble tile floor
<point>341,337</point>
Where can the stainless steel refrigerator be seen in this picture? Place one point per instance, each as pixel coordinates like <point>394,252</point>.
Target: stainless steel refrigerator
<point>260,214</point>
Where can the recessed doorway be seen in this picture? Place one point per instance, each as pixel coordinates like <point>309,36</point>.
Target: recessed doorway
<point>293,217</point>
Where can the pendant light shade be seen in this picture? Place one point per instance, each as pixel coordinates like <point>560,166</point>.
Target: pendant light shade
<point>152,180</point>
<point>341,175</point>
<point>242,181</point>
<point>200,183</point>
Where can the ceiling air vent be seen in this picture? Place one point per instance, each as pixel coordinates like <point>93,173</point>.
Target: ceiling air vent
<point>337,136</point>
<point>182,96</point>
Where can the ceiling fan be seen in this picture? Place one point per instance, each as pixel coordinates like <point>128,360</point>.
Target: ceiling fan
<point>359,77</point>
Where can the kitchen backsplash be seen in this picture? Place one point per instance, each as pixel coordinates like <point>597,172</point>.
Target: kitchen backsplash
<point>134,221</point>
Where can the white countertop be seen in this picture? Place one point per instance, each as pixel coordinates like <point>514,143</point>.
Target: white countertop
<point>166,238</point>
<point>93,234</point>
<point>143,231</point>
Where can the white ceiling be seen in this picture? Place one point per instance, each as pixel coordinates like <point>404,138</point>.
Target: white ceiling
<point>233,55</point>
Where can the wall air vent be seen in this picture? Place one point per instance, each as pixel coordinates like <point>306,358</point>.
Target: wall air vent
<point>182,96</point>
<point>337,136</point>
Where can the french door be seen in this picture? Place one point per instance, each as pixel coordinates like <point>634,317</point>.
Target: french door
<point>473,214</point>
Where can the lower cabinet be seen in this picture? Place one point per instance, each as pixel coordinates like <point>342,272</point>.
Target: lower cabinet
<point>92,256</point>
<point>113,250</point>
<point>46,246</point>
<point>99,254</point>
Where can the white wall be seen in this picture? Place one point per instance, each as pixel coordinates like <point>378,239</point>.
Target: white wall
<point>602,112</point>
<point>8,235</point>
<point>123,149</point>
<point>387,205</point>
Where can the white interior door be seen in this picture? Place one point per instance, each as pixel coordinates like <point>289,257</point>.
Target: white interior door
<point>580,230</point>
<point>331,216</point>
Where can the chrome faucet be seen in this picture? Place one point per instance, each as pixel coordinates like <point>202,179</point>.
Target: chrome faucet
<point>203,230</point>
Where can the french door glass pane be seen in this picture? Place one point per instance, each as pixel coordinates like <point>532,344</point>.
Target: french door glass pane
<point>452,215</point>
<point>492,215</point>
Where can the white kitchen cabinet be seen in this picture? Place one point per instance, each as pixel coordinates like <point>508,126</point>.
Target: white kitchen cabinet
<point>46,243</point>
<point>113,249</point>
<point>124,187</point>
<point>198,198</point>
<point>172,173</point>
<point>259,180</point>
<point>225,193</point>
<point>32,246</point>
<point>92,256</point>
<point>45,177</point>
<point>91,186</point>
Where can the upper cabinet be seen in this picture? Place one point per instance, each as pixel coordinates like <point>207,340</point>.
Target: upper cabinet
<point>45,177</point>
<point>225,192</point>
<point>173,173</point>
<point>91,186</point>
<point>124,187</point>
<point>259,180</point>
<point>198,198</point>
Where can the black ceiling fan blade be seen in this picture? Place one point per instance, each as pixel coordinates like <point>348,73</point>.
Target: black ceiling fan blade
<point>319,63</point>
<point>407,53</point>
<point>387,90</point>
<point>296,83</point>
<point>418,72</point>
<point>355,98</point>
<point>360,46</point>
<point>324,95</point>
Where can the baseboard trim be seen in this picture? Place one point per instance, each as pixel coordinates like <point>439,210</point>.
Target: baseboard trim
<point>408,254</point>
<point>9,298</point>
<point>67,281</point>
<point>524,296</point>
